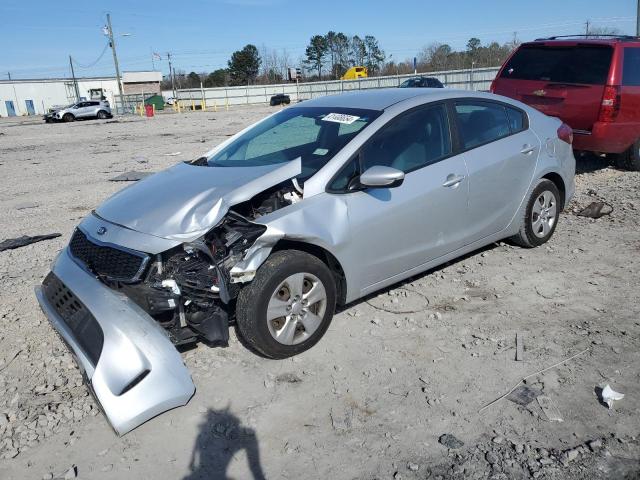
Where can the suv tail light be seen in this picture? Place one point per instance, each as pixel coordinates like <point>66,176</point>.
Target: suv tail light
<point>610,104</point>
<point>492,88</point>
<point>565,133</point>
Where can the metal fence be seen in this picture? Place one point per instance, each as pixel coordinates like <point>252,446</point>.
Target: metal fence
<point>212,98</point>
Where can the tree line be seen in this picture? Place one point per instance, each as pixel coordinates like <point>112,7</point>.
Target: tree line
<point>328,56</point>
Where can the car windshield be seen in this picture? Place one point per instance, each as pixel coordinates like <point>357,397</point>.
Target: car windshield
<point>315,134</point>
<point>580,64</point>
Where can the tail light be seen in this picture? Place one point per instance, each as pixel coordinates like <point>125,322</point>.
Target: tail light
<point>610,104</point>
<point>565,133</point>
<point>492,88</point>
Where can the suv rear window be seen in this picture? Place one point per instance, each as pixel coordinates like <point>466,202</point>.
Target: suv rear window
<point>587,64</point>
<point>631,69</point>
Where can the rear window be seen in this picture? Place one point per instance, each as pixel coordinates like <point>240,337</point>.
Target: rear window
<point>631,69</point>
<point>578,64</point>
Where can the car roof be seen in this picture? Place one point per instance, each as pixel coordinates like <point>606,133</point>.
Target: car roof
<point>380,99</point>
<point>571,40</point>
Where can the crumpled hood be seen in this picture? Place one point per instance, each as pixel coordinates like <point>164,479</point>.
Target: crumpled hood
<point>186,201</point>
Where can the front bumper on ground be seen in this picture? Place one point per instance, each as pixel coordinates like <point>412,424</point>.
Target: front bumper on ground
<point>130,364</point>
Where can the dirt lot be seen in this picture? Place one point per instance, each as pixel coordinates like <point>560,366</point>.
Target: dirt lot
<point>375,396</point>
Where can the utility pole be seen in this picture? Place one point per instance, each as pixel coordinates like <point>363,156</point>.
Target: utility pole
<point>75,82</point>
<point>115,55</point>
<point>173,80</point>
<point>587,27</point>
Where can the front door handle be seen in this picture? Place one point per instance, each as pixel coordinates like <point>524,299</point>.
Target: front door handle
<point>453,180</point>
<point>527,149</point>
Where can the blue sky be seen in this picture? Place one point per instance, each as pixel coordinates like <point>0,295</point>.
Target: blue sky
<point>38,35</point>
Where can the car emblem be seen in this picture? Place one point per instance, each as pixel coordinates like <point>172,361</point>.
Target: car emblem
<point>539,93</point>
<point>101,230</point>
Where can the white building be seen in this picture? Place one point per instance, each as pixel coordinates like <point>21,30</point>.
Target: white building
<point>35,97</point>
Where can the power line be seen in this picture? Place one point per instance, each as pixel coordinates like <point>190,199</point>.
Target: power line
<point>104,50</point>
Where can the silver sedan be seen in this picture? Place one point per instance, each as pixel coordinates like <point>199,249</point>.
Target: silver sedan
<point>315,206</point>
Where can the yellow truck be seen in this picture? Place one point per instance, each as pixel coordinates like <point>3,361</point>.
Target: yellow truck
<point>354,72</point>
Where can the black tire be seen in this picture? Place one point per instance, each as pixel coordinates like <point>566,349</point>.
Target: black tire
<point>68,117</point>
<point>629,160</point>
<point>102,115</point>
<point>526,237</point>
<point>251,307</point>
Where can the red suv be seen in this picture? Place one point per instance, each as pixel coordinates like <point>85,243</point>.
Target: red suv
<point>593,85</point>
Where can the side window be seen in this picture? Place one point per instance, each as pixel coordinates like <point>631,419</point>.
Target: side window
<point>517,121</point>
<point>631,69</point>
<point>348,172</point>
<point>481,123</point>
<point>412,141</point>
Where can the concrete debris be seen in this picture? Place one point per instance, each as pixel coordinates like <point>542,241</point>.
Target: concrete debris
<point>549,409</point>
<point>450,441</point>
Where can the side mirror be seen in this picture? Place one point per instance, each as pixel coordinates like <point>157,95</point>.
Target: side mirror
<point>380,176</point>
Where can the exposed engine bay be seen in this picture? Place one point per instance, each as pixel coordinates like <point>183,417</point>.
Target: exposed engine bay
<point>188,289</point>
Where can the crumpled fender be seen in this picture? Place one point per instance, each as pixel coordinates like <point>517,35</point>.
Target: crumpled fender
<point>305,221</point>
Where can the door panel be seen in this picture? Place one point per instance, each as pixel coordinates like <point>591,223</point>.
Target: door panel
<point>396,229</point>
<point>499,177</point>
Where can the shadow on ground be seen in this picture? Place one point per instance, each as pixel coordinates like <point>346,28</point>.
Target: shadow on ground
<point>588,162</point>
<point>220,438</point>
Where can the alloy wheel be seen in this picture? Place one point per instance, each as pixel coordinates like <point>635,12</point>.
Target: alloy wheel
<point>296,308</point>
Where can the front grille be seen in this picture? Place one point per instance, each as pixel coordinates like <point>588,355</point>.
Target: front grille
<point>76,316</point>
<point>106,261</point>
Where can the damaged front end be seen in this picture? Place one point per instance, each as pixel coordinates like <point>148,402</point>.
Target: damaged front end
<point>187,289</point>
<point>123,299</point>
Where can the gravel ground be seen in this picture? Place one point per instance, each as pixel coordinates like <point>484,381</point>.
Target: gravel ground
<point>395,387</point>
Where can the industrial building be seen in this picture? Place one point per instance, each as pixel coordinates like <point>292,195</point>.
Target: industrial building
<point>37,96</point>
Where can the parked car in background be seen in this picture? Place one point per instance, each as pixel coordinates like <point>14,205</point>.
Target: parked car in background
<point>315,206</point>
<point>280,99</point>
<point>421,82</point>
<point>81,110</point>
<point>592,84</point>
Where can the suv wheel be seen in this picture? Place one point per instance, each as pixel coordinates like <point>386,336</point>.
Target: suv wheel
<point>288,306</point>
<point>68,117</point>
<point>630,160</point>
<point>540,216</point>
<point>102,115</point>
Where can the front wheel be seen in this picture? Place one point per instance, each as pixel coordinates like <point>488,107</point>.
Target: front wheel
<point>540,216</point>
<point>68,117</point>
<point>288,306</point>
<point>102,115</point>
<point>630,160</point>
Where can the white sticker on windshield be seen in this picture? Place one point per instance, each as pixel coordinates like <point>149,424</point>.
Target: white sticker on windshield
<point>340,118</point>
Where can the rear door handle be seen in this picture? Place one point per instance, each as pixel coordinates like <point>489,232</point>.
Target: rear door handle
<point>527,149</point>
<point>453,180</point>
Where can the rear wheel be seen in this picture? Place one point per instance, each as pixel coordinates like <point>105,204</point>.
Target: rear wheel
<point>102,115</point>
<point>288,306</point>
<point>68,117</point>
<point>630,160</point>
<point>540,216</point>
